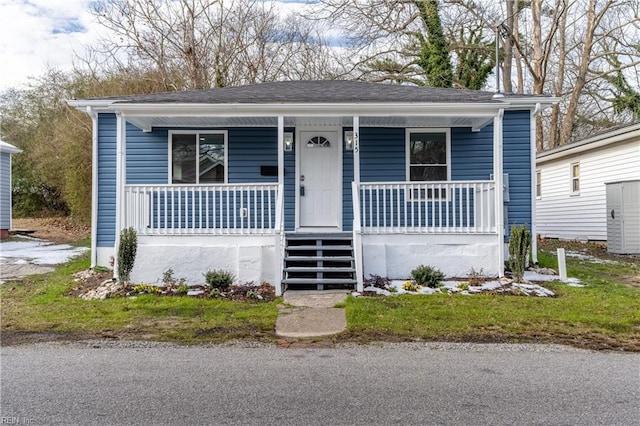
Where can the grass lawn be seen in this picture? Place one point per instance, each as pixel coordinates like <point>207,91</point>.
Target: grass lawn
<point>37,310</point>
<point>603,315</point>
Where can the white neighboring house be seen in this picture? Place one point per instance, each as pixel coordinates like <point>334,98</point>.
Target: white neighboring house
<point>570,183</point>
<point>6,150</point>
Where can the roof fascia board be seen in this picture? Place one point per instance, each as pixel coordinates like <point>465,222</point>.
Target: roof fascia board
<point>595,142</point>
<point>92,105</point>
<point>327,110</point>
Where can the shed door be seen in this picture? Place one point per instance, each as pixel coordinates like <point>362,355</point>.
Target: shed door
<point>320,176</point>
<point>615,220</point>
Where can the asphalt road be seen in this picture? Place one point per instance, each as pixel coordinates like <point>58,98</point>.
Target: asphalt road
<point>105,383</point>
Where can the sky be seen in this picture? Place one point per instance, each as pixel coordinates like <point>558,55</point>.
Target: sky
<point>36,34</point>
<point>40,34</point>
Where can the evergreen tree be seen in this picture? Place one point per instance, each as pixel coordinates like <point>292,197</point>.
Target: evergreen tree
<point>434,56</point>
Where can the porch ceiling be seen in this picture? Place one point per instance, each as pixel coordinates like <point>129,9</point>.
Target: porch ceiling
<point>147,123</point>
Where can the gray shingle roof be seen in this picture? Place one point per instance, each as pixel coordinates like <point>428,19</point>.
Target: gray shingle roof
<point>326,91</point>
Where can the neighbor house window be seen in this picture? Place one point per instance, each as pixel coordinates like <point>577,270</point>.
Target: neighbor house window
<point>538,184</point>
<point>198,157</point>
<point>428,159</point>
<point>575,178</point>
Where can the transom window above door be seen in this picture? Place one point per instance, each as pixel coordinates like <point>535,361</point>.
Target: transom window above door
<point>318,142</point>
<point>198,157</point>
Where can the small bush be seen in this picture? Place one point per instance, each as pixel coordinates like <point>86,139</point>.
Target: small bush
<point>477,278</point>
<point>427,276</point>
<point>519,247</point>
<point>127,253</point>
<point>377,281</point>
<point>169,280</point>
<point>219,279</point>
<point>182,289</point>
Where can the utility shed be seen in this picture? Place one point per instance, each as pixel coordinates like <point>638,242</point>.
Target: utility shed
<point>570,183</point>
<point>6,151</point>
<point>623,217</point>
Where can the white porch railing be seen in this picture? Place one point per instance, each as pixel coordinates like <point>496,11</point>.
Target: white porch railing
<point>201,209</point>
<point>427,207</point>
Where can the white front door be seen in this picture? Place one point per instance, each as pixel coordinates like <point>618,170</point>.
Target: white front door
<point>320,175</point>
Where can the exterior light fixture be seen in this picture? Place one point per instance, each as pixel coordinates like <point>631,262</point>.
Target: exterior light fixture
<point>288,141</point>
<point>348,141</point>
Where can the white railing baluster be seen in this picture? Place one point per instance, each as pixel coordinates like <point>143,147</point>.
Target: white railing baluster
<point>200,209</point>
<point>426,207</point>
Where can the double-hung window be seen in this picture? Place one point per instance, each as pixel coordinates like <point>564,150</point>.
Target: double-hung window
<point>428,158</point>
<point>198,157</point>
<point>575,179</point>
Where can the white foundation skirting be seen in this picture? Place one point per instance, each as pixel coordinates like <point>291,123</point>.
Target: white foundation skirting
<point>248,258</point>
<point>394,256</point>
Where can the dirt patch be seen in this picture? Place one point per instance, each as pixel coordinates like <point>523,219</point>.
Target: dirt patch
<point>593,249</point>
<point>56,229</point>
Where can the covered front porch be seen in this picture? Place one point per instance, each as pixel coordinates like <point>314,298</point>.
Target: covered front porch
<point>245,227</point>
<point>302,182</point>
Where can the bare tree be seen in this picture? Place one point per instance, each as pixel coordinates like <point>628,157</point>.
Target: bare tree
<point>213,43</point>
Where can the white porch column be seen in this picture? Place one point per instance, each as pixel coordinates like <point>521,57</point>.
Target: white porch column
<point>94,186</point>
<point>355,187</point>
<point>121,173</point>
<point>499,186</point>
<point>279,213</point>
<point>532,142</point>
<point>356,150</point>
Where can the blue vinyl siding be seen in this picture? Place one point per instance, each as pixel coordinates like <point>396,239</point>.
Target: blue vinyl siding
<point>106,180</point>
<point>382,155</point>
<point>290,185</point>
<point>517,164</point>
<point>471,153</point>
<point>5,190</point>
<point>382,159</point>
<point>147,156</point>
<point>347,179</point>
<point>250,148</point>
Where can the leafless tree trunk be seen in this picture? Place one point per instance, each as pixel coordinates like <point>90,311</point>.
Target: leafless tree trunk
<point>211,43</point>
<point>508,47</point>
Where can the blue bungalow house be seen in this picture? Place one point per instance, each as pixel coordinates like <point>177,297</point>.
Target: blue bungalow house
<point>312,183</point>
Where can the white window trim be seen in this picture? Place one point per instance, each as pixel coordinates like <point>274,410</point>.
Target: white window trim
<point>447,131</point>
<point>225,133</point>
<point>407,153</point>
<point>538,185</point>
<point>572,178</point>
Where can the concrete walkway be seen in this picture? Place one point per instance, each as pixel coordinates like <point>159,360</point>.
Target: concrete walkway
<point>311,313</point>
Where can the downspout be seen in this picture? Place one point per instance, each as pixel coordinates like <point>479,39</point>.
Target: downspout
<point>532,142</point>
<point>94,187</point>
<point>499,184</point>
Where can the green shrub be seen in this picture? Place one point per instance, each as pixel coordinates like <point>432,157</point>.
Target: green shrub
<point>127,253</point>
<point>519,247</point>
<point>427,276</point>
<point>169,280</point>
<point>219,279</point>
